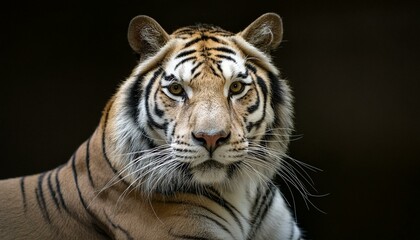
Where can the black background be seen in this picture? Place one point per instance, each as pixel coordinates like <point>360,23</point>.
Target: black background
<point>353,66</point>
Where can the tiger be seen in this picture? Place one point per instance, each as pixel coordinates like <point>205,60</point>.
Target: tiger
<point>187,148</point>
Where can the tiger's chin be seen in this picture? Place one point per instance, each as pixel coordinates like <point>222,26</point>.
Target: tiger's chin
<point>210,172</point>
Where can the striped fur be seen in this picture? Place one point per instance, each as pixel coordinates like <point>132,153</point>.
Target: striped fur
<point>186,149</point>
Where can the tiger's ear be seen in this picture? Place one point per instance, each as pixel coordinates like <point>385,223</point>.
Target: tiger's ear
<point>146,36</point>
<point>265,33</point>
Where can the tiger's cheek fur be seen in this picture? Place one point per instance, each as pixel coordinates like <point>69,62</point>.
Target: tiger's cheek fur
<point>241,108</point>
<point>170,113</point>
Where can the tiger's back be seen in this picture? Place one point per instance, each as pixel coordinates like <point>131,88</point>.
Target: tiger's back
<point>186,149</point>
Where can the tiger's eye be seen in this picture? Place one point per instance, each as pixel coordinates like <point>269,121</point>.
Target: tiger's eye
<point>176,89</point>
<point>236,87</point>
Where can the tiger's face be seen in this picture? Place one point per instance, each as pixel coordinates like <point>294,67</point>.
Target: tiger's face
<point>208,108</point>
<point>205,93</point>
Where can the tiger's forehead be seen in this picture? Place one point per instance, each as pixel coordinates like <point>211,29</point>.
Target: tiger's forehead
<point>206,51</point>
<point>201,29</point>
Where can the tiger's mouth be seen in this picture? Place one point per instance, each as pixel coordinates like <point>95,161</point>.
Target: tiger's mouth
<point>209,165</point>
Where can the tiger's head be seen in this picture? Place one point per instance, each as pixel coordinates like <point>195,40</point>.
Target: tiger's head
<point>204,107</point>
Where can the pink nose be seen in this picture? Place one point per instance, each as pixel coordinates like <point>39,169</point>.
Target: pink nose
<point>210,141</point>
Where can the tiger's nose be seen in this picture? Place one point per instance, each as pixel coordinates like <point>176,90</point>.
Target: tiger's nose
<point>210,140</point>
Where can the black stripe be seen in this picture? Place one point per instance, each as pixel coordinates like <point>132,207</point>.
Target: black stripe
<point>267,206</point>
<point>60,194</point>
<point>196,75</point>
<point>186,157</point>
<point>264,206</point>
<point>277,93</point>
<point>173,132</point>
<point>257,202</point>
<point>126,233</point>
<point>253,108</point>
<point>192,42</point>
<point>104,142</point>
<point>215,193</point>
<point>165,127</point>
<point>243,75</point>
<point>184,236</point>
<point>195,67</point>
<point>157,111</point>
<point>76,181</point>
<point>195,205</point>
<point>184,60</point>
<point>182,143</point>
<point>104,147</point>
<point>216,222</point>
<point>226,57</point>
<point>40,198</point>
<point>225,50</point>
<point>133,99</point>
<point>203,38</point>
<point>263,86</point>
<point>224,204</point>
<point>251,67</point>
<point>79,192</point>
<point>101,231</point>
<point>264,90</point>
<point>214,39</point>
<point>52,191</point>
<point>214,71</point>
<point>185,53</point>
<point>148,92</point>
<point>219,66</point>
<point>170,78</point>
<point>87,160</point>
<point>22,189</point>
<point>184,150</point>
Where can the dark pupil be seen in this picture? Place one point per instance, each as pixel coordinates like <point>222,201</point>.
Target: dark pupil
<point>175,88</point>
<point>236,87</point>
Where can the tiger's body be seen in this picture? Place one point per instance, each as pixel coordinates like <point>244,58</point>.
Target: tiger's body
<point>186,149</point>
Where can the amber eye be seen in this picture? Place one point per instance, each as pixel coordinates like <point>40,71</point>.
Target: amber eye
<point>176,89</point>
<point>236,87</point>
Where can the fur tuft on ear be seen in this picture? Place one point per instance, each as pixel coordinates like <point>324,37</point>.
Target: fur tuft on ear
<point>265,33</point>
<point>146,36</point>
